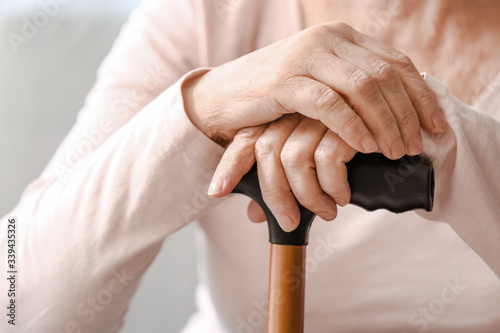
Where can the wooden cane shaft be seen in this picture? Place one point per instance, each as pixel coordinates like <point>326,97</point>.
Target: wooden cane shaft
<point>286,289</point>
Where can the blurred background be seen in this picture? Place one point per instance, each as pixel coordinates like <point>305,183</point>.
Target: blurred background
<point>43,83</point>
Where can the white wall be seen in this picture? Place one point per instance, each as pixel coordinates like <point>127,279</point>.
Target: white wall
<point>42,86</point>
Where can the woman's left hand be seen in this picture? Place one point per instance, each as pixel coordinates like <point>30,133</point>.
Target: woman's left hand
<point>298,159</point>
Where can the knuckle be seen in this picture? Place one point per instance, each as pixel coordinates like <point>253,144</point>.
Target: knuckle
<point>425,95</point>
<point>350,124</point>
<point>329,101</point>
<point>323,155</point>
<point>328,30</point>
<point>264,147</point>
<point>382,70</point>
<point>341,27</point>
<point>318,31</point>
<point>361,82</point>
<point>409,119</point>
<point>389,128</point>
<point>291,157</point>
<point>401,60</point>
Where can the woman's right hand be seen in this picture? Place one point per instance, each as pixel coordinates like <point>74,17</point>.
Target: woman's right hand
<point>368,93</point>
<point>298,160</point>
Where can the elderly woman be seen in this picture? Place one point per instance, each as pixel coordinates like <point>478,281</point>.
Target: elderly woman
<point>195,89</point>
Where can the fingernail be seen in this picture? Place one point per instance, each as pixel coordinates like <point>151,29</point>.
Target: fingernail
<point>415,146</point>
<point>285,222</point>
<point>398,149</point>
<point>215,187</point>
<point>439,122</point>
<point>368,144</point>
<point>327,216</point>
<point>341,202</point>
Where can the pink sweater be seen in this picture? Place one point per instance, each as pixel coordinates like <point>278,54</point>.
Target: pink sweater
<point>134,170</point>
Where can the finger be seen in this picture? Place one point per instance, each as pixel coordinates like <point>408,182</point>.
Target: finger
<point>364,94</point>
<point>275,189</point>
<point>237,160</point>
<point>318,101</point>
<point>297,158</point>
<point>255,212</point>
<point>387,78</point>
<point>330,158</point>
<point>423,98</point>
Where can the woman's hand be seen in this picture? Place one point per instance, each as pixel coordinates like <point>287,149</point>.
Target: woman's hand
<point>368,93</point>
<point>297,158</point>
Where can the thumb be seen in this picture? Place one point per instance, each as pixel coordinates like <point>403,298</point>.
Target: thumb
<point>237,160</point>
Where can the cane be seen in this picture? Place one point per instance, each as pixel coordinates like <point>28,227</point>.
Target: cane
<point>376,183</point>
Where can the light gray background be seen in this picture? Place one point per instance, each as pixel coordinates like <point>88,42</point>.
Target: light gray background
<point>41,89</point>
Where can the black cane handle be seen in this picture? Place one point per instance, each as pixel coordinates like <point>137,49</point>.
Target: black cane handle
<point>376,182</point>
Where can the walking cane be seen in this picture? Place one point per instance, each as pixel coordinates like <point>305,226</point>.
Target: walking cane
<point>376,182</point>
